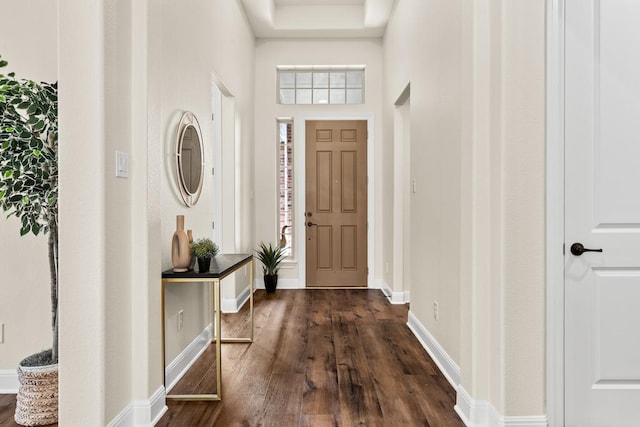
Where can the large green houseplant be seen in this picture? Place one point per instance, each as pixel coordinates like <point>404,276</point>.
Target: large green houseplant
<point>29,189</point>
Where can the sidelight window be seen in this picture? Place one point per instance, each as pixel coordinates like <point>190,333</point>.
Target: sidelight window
<point>285,228</point>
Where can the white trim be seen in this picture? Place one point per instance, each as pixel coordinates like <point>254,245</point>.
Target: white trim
<point>233,305</point>
<point>447,365</point>
<point>555,212</point>
<point>299,124</point>
<point>148,412</point>
<point>393,297</point>
<point>181,364</point>
<point>142,413</point>
<point>401,193</point>
<point>216,176</point>
<point>9,381</point>
<point>480,413</point>
<point>472,412</point>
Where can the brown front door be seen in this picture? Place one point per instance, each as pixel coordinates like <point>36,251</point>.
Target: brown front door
<point>336,203</point>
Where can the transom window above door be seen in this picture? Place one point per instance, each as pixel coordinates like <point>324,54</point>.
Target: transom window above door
<point>321,85</point>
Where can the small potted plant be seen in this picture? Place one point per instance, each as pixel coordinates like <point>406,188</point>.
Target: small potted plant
<point>271,256</point>
<point>204,250</point>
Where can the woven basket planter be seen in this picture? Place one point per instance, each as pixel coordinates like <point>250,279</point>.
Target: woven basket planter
<point>37,399</point>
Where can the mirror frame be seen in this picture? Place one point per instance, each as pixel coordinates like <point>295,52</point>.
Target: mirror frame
<point>188,119</point>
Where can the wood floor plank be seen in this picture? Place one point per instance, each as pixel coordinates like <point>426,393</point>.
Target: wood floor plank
<point>358,401</point>
<point>434,407</point>
<point>319,421</point>
<point>320,394</point>
<point>283,400</point>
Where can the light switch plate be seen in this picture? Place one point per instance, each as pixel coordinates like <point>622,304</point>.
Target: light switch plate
<point>122,164</point>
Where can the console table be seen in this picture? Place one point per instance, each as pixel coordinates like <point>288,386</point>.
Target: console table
<point>221,267</point>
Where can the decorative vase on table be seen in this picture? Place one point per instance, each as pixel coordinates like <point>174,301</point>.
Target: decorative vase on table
<point>180,247</point>
<point>193,259</point>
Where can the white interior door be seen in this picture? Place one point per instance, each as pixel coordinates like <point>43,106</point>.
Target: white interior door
<point>602,185</point>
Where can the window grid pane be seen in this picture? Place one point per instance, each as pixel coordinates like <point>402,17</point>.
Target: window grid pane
<point>320,96</point>
<point>287,79</point>
<point>354,96</point>
<point>303,96</point>
<point>320,80</point>
<point>354,79</point>
<point>337,96</point>
<point>287,96</point>
<point>321,86</point>
<point>303,80</point>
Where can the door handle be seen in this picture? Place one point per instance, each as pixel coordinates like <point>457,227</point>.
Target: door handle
<point>578,249</point>
<point>309,224</point>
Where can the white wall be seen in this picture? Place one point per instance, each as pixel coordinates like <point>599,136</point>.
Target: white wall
<point>477,218</point>
<point>205,38</point>
<point>421,48</point>
<point>271,53</point>
<point>25,305</point>
<point>127,69</point>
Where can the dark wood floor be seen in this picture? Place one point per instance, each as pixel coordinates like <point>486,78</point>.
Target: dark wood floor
<point>8,408</point>
<point>320,358</point>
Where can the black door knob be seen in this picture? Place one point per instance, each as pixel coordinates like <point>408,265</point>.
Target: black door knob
<point>309,224</point>
<point>578,249</point>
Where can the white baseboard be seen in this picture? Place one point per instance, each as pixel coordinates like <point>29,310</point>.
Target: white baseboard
<point>449,368</point>
<point>282,283</point>
<point>472,412</point>
<point>394,297</point>
<point>142,413</point>
<point>9,381</point>
<point>233,305</point>
<point>181,364</point>
<point>480,413</point>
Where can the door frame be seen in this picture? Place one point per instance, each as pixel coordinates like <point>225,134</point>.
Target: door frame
<point>555,198</point>
<point>300,123</point>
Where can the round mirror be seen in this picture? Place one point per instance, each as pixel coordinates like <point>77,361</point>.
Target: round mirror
<point>189,159</point>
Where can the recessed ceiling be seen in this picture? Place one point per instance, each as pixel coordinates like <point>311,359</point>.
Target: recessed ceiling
<point>318,18</point>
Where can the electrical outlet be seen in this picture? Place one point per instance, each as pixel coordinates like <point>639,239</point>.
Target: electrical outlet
<point>436,315</point>
<point>1,333</point>
<point>180,319</point>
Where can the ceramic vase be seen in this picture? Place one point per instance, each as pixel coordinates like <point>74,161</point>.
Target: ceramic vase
<point>180,248</point>
<point>193,259</point>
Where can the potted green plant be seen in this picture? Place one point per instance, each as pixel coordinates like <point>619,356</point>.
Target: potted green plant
<point>204,250</point>
<point>270,256</point>
<point>29,190</point>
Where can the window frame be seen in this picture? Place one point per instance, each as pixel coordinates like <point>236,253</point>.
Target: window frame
<point>286,207</point>
<point>319,70</point>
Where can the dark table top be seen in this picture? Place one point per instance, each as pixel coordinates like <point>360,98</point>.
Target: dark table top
<point>220,266</point>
